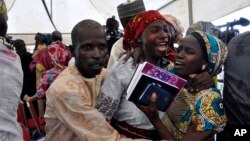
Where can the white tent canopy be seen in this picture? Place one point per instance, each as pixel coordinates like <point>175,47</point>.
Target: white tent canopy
<point>30,15</point>
<point>191,11</point>
<point>27,17</point>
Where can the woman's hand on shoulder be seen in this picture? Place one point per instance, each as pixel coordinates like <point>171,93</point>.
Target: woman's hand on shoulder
<point>201,81</point>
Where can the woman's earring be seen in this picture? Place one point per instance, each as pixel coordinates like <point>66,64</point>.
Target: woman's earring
<point>203,67</point>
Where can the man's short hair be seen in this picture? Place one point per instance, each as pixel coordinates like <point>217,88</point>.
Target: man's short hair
<point>83,25</point>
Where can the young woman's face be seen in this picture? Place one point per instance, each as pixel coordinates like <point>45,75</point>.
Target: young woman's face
<point>189,57</point>
<point>155,39</point>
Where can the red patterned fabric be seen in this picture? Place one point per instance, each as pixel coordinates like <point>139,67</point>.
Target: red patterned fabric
<point>170,54</point>
<point>59,54</point>
<point>136,25</point>
<point>43,59</point>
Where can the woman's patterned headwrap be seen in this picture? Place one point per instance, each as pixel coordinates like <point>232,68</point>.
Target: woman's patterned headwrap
<point>175,23</point>
<point>136,26</point>
<point>176,34</point>
<point>59,54</point>
<point>215,49</point>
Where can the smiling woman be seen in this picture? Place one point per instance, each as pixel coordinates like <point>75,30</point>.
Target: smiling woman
<point>150,31</point>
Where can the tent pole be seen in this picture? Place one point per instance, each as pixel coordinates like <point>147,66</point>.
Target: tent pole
<point>47,11</point>
<point>51,9</point>
<point>165,5</point>
<point>190,12</point>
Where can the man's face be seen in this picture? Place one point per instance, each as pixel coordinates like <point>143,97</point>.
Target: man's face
<point>91,50</point>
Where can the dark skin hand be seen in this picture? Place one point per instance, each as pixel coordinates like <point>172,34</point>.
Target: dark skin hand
<point>123,53</point>
<point>201,81</point>
<point>198,82</point>
<point>137,55</point>
<point>152,114</point>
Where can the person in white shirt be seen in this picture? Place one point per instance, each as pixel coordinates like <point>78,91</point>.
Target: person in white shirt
<point>126,11</point>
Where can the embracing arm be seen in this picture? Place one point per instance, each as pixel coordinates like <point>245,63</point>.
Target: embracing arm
<point>76,112</point>
<point>201,81</point>
<point>111,92</point>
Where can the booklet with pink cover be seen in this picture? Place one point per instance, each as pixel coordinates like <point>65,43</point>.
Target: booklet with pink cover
<point>149,78</point>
